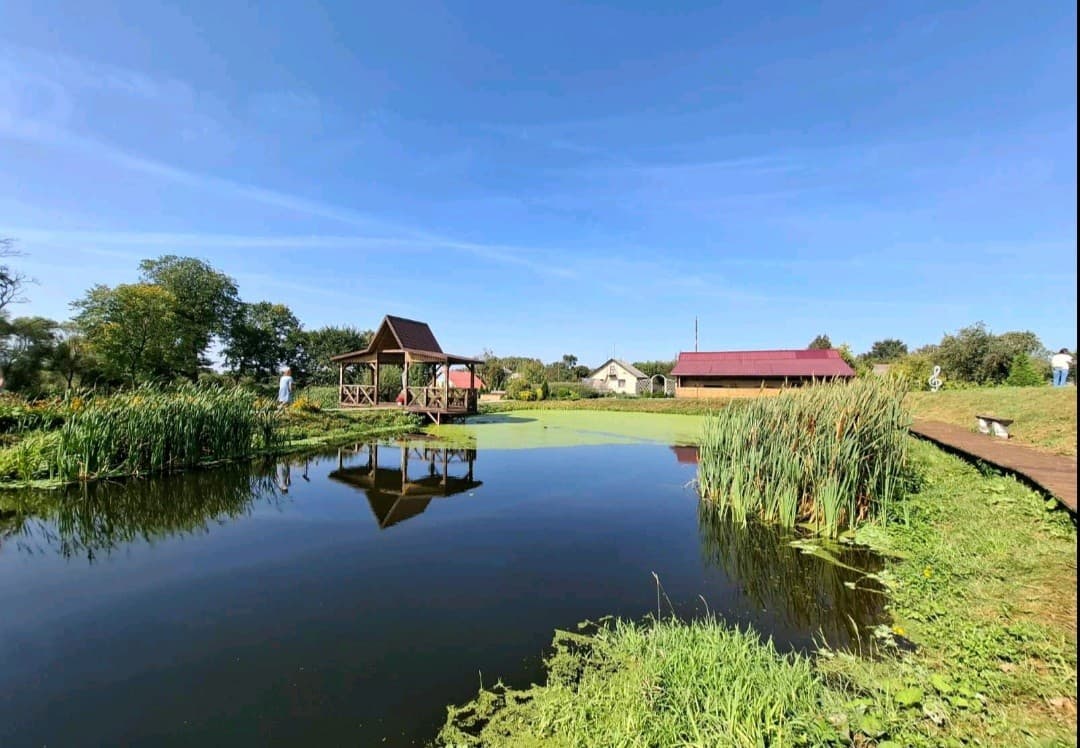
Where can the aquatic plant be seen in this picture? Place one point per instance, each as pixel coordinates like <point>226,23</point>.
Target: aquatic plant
<point>827,454</point>
<point>148,431</point>
<point>665,683</point>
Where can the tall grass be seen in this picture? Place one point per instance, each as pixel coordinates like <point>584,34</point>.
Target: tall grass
<point>666,684</point>
<point>151,431</point>
<point>830,455</point>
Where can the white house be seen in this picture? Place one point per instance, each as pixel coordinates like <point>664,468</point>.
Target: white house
<point>618,377</point>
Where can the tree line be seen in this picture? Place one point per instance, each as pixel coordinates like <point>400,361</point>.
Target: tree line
<point>161,329</point>
<point>164,327</point>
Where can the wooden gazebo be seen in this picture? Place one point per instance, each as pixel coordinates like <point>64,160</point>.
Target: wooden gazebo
<point>408,344</point>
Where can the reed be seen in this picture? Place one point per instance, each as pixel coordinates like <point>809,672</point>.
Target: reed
<point>830,455</point>
<point>151,431</point>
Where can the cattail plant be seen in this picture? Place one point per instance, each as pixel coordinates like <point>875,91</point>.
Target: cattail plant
<point>831,455</point>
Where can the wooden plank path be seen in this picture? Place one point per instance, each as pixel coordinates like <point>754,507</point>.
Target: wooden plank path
<point>1056,474</point>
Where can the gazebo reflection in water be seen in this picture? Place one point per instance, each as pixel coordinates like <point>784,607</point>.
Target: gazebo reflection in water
<point>394,494</point>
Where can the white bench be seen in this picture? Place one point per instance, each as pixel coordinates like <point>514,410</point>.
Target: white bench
<point>994,425</point>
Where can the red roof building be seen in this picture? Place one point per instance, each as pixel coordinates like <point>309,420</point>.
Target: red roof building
<point>698,373</point>
<point>460,378</point>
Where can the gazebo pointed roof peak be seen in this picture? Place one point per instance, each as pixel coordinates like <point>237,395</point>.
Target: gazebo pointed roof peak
<point>399,335</point>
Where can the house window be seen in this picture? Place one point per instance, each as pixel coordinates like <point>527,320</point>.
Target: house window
<point>611,372</point>
<point>622,384</point>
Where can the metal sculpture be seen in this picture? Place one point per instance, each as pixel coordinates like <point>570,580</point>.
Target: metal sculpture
<point>935,380</point>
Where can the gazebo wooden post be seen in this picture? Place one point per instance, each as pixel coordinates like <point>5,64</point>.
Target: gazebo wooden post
<point>472,387</point>
<point>376,377</point>
<point>341,383</point>
<point>446,386</point>
<point>405,381</point>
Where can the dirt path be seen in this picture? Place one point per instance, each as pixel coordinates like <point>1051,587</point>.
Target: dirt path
<point>1054,473</point>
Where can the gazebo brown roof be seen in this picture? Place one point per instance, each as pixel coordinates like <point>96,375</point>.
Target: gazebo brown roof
<point>407,343</point>
<point>398,339</point>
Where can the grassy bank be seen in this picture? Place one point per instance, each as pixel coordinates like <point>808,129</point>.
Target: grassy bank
<point>149,431</point>
<point>982,580</point>
<point>1045,417</point>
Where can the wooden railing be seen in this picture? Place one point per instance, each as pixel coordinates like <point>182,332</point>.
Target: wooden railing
<point>460,400</point>
<point>356,395</point>
<point>436,398</point>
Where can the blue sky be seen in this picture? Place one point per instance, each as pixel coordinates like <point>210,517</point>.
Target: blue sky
<point>560,177</point>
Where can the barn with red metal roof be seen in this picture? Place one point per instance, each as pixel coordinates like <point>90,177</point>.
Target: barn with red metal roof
<point>725,373</point>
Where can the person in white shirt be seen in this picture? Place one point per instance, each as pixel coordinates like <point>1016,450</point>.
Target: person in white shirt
<point>1060,363</point>
<point>285,387</point>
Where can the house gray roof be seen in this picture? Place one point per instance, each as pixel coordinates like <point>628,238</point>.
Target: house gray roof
<point>634,371</point>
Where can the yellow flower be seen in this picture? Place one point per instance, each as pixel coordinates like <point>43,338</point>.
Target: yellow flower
<point>928,572</point>
<point>898,630</point>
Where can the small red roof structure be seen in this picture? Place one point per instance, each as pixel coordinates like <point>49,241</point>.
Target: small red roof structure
<point>460,378</point>
<point>798,363</point>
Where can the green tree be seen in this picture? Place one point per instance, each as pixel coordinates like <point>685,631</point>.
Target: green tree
<point>652,368</point>
<point>206,301</point>
<point>886,351</point>
<point>975,354</point>
<point>821,342</point>
<point>133,329</point>
<point>962,355</point>
<point>261,339</point>
<point>71,357</point>
<point>1022,372</point>
<point>26,348</point>
<point>313,349</point>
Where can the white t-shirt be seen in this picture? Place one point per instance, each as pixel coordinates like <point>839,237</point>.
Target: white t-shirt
<point>1061,361</point>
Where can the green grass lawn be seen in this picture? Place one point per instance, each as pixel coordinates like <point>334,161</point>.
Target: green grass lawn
<point>981,574</point>
<point>1044,417</point>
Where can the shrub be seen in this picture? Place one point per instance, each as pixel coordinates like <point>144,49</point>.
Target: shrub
<point>1022,372</point>
<point>306,405</point>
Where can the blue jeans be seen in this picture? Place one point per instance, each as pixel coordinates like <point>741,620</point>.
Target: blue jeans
<point>1060,377</point>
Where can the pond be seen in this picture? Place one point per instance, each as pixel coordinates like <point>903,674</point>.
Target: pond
<point>348,598</point>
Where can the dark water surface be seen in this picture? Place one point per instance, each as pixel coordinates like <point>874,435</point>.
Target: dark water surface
<point>215,608</point>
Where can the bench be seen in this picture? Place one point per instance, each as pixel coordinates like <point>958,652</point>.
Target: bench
<point>993,424</point>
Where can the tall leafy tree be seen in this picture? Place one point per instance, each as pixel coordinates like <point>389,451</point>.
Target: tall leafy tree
<point>133,329</point>
<point>71,357</point>
<point>206,300</point>
<point>312,350</point>
<point>261,339</point>
<point>821,342</point>
<point>886,351</point>
<point>652,368</point>
<point>27,346</point>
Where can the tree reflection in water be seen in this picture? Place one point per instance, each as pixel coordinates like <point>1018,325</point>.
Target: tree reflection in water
<point>828,591</point>
<point>96,518</point>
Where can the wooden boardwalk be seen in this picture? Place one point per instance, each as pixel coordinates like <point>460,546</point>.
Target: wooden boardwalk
<point>1055,474</point>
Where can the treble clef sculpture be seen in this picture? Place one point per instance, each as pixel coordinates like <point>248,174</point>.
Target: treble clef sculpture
<point>935,380</point>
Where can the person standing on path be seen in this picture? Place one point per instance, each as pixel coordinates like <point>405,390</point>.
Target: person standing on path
<point>1060,363</point>
<point>285,387</point>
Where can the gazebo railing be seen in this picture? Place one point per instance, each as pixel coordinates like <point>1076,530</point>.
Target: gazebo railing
<point>356,395</point>
<point>457,399</point>
<point>437,398</point>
